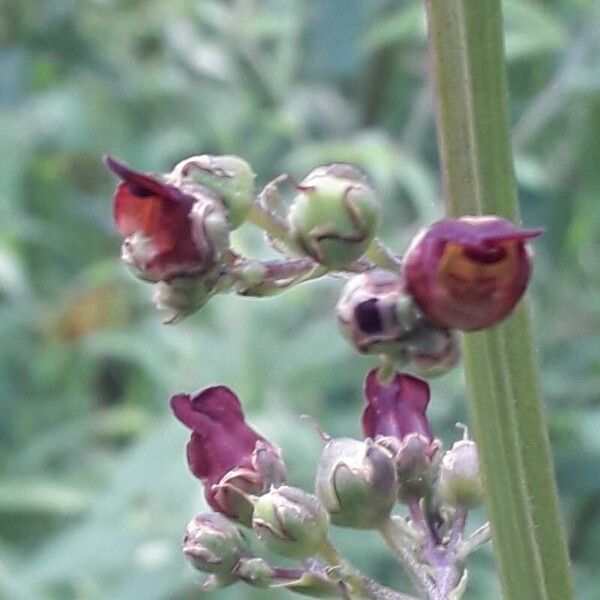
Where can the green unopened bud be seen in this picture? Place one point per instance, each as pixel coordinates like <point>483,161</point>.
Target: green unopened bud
<point>335,216</point>
<point>415,457</point>
<point>357,483</point>
<point>214,545</point>
<point>459,482</point>
<point>229,177</point>
<point>183,296</point>
<point>290,522</point>
<point>314,581</point>
<point>255,571</point>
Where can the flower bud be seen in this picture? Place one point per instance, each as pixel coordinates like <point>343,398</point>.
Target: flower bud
<point>356,481</point>
<point>255,571</point>
<point>183,296</point>
<point>225,453</point>
<point>290,522</point>
<point>468,273</point>
<point>214,545</point>
<point>314,581</point>
<point>230,177</point>
<point>335,215</point>
<point>169,231</point>
<point>414,461</point>
<point>431,350</point>
<point>459,482</point>
<point>378,316</point>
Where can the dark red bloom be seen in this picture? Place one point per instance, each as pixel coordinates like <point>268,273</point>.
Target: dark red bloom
<point>395,409</point>
<point>163,224</point>
<point>468,273</point>
<point>230,458</point>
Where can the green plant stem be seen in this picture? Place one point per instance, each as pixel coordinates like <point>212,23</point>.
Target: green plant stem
<point>383,257</point>
<point>467,50</point>
<point>362,587</point>
<point>394,538</point>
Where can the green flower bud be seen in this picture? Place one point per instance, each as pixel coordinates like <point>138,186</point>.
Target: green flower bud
<point>415,457</point>
<point>314,581</point>
<point>357,483</point>
<point>229,177</point>
<point>459,483</point>
<point>183,296</point>
<point>335,216</point>
<point>214,545</point>
<point>290,522</point>
<point>255,571</point>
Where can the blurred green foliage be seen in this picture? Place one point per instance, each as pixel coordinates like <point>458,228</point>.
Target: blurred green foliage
<point>94,492</point>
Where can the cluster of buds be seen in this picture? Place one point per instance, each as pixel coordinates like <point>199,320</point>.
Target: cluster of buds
<point>464,274</point>
<point>460,274</point>
<point>176,225</point>
<point>358,484</point>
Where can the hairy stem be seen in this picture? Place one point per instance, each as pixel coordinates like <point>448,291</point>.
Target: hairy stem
<point>416,572</point>
<point>467,50</point>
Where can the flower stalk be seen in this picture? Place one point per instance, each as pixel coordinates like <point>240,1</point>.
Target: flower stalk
<point>472,110</point>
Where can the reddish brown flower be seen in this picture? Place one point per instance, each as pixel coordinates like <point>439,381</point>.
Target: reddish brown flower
<point>468,273</point>
<point>170,230</point>
<point>225,453</point>
<point>395,409</point>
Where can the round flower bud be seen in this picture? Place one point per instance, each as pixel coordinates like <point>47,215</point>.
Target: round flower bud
<point>214,545</point>
<point>183,296</point>
<point>378,316</point>
<point>356,481</point>
<point>230,177</point>
<point>255,571</point>
<point>468,273</point>
<point>290,522</point>
<point>414,460</point>
<point>335,215</point>
<point>459,482</point>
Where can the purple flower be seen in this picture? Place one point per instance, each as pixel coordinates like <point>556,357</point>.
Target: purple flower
<point>225,453</point>
<point>164,224</point>
<point>468,273</point>
<point>395,409</point>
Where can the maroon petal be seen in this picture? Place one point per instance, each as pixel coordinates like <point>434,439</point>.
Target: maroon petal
<point>221,440</point>
<point>477,231</point>
<point>396,408</point>
<point>145,184</point>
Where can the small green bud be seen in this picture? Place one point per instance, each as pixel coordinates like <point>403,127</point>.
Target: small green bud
<point>214,545</point>
<point>229,177</point>
<point>459,483</point>
<point>290,522</point>
<point>357,483</point>
<point>415,457</point>
<point>183,296</point>
<point>335,216</point>
<point>254,571</point>
<point>315,581</point>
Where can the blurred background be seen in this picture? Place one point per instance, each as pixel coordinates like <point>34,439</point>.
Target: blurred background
<point>94,491</point>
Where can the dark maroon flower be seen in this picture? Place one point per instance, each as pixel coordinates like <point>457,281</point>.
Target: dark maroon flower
<point>170,228</point>
<point>395,409</point>
<point>468,273</point>
<point>230,458</point>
